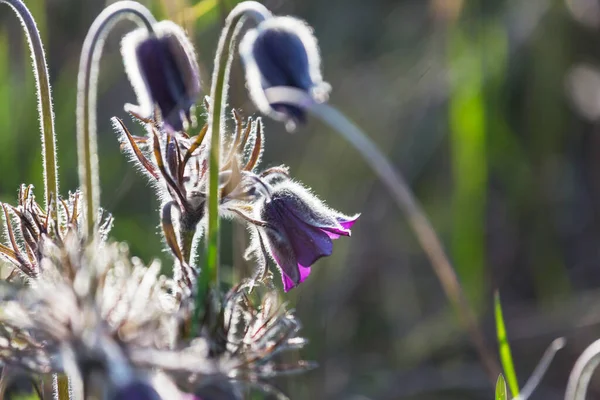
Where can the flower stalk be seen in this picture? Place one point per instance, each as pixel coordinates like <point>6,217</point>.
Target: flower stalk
<point>209,276</point>
<point>87,91</point>
<point>405,200</point>
<point>582,372</point>
<point>417,220</point>
<point>44,95</point>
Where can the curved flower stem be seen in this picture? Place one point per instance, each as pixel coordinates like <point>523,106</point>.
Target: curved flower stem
<point>541,369</point>
<point>417,220</point>
<point>580,376</point>
<point>216,122</point>
<point>406,201</point>
<point>87,91</point>
<point>45,112</point>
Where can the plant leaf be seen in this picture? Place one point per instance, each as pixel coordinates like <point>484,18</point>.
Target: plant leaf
<point>501,388</point>
<point>504,348</point>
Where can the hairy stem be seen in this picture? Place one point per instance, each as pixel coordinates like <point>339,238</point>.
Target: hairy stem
<point>540,369</point>
<point>87,92</point>
<point>406,201</point>
<point>417,220</point>
<point>44,96</point>
<point>216,122</point>
<point>581,374</point>
<point>60,387</point>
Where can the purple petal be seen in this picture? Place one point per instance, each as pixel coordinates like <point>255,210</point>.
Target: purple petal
<point>285,259</point>
<point>288,284</point>
<point>345,222</point>
<point>348,222</point>
<point>335,233</point>
<point>309,243</point>
<point>282,59</point>
<point>304,272</point>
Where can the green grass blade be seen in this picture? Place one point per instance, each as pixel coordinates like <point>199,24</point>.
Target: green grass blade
<point>501,388</point>
<point>504,348</point>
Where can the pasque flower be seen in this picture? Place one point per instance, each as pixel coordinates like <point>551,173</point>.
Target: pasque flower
<point>299,230</point>
<point>163,70</point>
<point>117,329</point>
<point>282,52</point>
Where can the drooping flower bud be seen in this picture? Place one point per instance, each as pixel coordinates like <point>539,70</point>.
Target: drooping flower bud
<point>282,52</point>
<point>163,71</point>
<point>299,230</point>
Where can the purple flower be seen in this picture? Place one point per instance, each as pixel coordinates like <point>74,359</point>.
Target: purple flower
<point>163,70</point>
<point>282,52</point>
<point>299,230</point>
<point>136,390</point>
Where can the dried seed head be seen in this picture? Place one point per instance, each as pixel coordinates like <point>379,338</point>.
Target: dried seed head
<point>163,71</point>
<point>282,52</point>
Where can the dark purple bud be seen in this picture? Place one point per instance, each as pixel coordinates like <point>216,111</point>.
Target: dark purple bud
<point>282,52</point>
<point>300,230</point>
<point>136,390</point>
<point>163,71</point>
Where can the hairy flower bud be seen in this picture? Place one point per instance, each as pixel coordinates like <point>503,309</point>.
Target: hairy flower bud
<point>299,229</point>
<point>282,52</point>
<point>163,71</point>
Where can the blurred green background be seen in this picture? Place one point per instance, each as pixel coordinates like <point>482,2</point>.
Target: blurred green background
<point>489,107</point>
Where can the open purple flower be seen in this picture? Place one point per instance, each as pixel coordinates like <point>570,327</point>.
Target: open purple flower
<point>282,52</point>
<point>299,230</point>
<point>163,71</point>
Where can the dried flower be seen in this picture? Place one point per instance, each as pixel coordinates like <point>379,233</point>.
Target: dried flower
<point>299,229</point>
<point>254,329</point>
<point>282,52</point>
<point>88,309</point>
<point>163,70</point>
<point>115,327</point>
<point>30,230</point>
<point>177,165</point>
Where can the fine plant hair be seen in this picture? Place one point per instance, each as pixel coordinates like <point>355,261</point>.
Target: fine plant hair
<point>81,312</point>
<point>44,100</point>
<point>87,84</point>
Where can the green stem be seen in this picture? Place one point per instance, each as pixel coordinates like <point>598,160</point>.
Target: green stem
<point>87,93</point>
<point>209,278</point>
<point>60,387</point>
<point>44,96</point>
